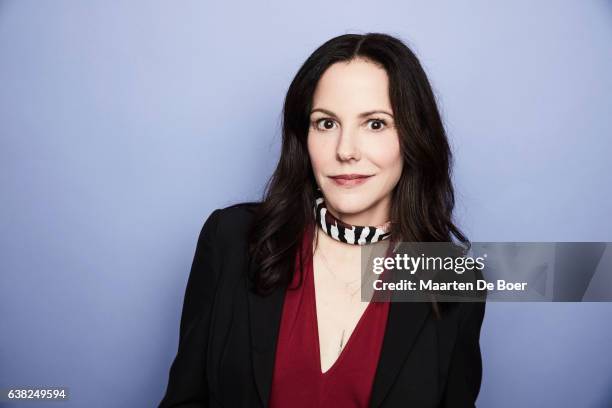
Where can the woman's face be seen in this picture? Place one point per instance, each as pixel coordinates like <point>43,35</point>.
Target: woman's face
<point>352,132</point>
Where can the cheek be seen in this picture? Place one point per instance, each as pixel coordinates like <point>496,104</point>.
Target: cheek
<point>317,152</point>
<point>385,152</point>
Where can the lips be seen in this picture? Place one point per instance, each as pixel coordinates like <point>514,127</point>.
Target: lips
<point>350,180</point>
<point>350,176</point>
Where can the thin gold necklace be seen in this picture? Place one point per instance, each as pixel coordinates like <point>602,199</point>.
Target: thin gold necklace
<point>346,284</point>
<point>351,296</point>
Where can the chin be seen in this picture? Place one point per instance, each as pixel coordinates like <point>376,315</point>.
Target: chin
<point>345,204</point>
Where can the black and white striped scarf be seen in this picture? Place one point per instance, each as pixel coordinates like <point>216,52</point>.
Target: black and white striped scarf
<point>347,233</point>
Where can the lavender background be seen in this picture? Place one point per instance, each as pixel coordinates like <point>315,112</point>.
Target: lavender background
<point>124,124</point>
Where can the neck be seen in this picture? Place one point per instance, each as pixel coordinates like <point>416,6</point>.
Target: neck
<point>340,252</point>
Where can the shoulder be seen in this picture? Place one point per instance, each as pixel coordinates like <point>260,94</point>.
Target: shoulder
<point>235,218</point>
<point>230,224</point>
<point>237,215</point>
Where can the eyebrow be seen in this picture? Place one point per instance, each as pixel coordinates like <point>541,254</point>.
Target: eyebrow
<point>361,115</point>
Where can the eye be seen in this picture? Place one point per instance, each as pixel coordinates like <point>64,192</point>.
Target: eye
<point>378,124</point>
<point>324,124</point>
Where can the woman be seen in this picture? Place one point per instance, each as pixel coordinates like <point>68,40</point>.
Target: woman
<point>271,315</point>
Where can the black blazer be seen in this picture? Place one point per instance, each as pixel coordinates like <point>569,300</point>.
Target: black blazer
<point>228,336</point>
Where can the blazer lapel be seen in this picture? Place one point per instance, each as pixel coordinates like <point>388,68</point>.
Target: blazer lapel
<point>264,317</point>
<point>404,323</point>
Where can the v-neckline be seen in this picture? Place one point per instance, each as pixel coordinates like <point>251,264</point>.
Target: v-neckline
<point>343,352</point>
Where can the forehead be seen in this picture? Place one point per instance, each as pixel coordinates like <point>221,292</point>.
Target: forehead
<point>353,87</point>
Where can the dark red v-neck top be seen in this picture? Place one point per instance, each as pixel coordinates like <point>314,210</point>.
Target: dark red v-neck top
<point>298,380</point>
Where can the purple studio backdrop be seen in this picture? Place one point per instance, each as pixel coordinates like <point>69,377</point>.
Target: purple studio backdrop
<point>124,124</point>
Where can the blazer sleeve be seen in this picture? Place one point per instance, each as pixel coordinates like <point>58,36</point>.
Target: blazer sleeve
<point>187,385</point>
<point>465,371</point>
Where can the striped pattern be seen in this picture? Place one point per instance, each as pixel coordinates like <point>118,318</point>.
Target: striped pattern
<point>343,232</point>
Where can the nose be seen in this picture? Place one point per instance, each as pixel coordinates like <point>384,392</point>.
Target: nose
<point>348,147</point>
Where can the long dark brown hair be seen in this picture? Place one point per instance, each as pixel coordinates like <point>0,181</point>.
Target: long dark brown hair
<point>423,199</point>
